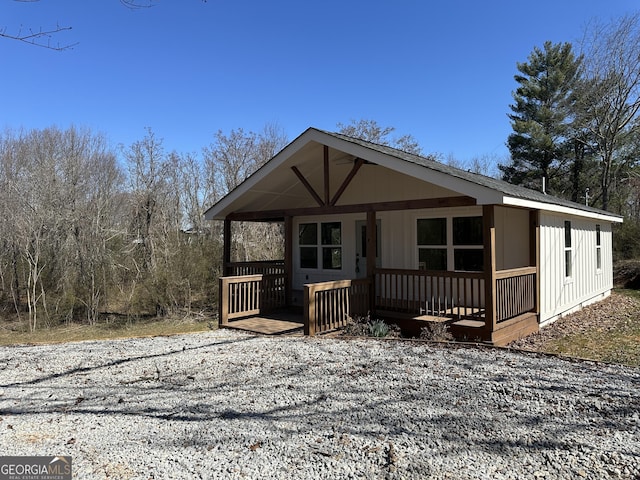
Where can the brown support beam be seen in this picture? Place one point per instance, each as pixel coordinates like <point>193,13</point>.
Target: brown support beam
<point>356,166</point>
<point>534,253</point>
<point>226,247</point>
<point>288,259</point>
<point>307,185</point>
<point>489,236</point>
<point>440,202</point>
<point>326,175</point>
<point>372,247</point>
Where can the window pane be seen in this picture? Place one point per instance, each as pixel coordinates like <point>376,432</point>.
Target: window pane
<point>308,234</point>
<point>363,241</point>
<point>432,258</point>
<point>308,257</point>
<point>432,231</point>
<point>331,234</point>
<point>598,258</point>
<point>332,258</point>
<point>567,234</point>
<point>467,231</point>
<point>568,270</point>
<point>470,260</point>
<point>598,235</point>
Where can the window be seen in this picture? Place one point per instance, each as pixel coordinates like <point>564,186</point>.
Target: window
<point>328,246</point>
<point>598,249</point>
<point>467,236</point>
<point>432,243</point>
<point>568,266</point>
<point>450,243</point>
<point>331,246</point>
<point>308,240</point>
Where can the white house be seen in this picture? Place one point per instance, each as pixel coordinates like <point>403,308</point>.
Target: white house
<point>495,260</point>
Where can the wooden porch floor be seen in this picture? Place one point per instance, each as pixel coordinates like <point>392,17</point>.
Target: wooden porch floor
<point>279,323</point>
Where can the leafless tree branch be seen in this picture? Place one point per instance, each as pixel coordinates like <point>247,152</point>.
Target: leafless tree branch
<point>39,38</point>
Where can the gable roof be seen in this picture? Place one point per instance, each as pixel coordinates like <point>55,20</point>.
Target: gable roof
<point>486,190</point>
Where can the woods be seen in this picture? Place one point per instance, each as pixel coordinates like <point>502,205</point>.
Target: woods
<point>88,231</point>
<point>576,123</point>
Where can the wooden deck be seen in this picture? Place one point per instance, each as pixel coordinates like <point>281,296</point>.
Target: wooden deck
<point>281,323</point>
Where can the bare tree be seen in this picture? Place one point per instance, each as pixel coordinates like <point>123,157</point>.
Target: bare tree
<point>371,131</point>
<point>609,97</point>
<point>229,160</point>
<point>43,37</point>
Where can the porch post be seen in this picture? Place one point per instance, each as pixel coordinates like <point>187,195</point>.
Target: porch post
<point>288,258</point>
<point>489,235</point>
<point>534,254</point>
<point>226,248</point>
<point>372,248</point>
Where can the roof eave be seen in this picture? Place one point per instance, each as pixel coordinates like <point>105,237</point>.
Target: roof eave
<point>552,207</point>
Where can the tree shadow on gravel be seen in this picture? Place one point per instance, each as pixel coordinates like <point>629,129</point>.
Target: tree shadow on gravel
<point>441,401</point>
<point>121,361</point>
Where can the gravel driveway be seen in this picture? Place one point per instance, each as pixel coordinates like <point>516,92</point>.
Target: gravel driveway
<point>229,405</point>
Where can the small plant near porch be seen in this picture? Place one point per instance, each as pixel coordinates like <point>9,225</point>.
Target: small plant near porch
<point>365,326</point>
<point>436,331</point>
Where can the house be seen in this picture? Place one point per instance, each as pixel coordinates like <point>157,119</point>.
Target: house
<point>371,229</point>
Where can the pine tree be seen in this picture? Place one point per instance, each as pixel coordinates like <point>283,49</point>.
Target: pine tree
<point>541,144</point>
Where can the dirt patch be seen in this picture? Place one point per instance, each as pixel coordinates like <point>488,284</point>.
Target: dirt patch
<point>604,316</point>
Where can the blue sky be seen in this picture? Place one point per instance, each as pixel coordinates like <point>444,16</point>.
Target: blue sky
<point>441,71</point>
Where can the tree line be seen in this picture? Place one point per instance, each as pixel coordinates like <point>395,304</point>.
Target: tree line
<point>576,123</point>
<point>88,231</point>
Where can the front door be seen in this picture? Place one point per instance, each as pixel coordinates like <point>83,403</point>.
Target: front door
<point>361,247</point>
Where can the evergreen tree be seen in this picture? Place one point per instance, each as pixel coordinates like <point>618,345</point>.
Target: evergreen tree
<point>540,144</point>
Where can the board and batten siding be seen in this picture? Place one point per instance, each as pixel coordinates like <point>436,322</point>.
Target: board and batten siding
<point>561,295</point>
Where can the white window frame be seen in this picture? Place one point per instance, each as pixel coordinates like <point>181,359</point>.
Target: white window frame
<point>598,248</point>
<point>568,251</point>
<point>449,246</point>
<point>319,246</point>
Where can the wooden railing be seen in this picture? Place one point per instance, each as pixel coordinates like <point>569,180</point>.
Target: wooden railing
<point>247,295</point>
<point>329,305</point>
<point>266,267</point>
<point>430,292</point>
<point>515,292</point>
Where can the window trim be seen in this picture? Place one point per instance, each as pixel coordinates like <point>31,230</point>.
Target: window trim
<point>321,247</point>
<point>568,251</point>
<point>449,246</point>
<point>598,248</point>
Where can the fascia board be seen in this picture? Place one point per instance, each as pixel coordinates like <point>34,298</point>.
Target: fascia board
<point>550,207</point>
<point>219,210</point>
<point>483,195</point>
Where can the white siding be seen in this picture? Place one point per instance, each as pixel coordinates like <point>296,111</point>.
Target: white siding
<point>512,238</point>
<point>560,295</point>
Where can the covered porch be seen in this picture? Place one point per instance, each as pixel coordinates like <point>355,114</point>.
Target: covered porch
<point>493,306</point>
<point>369,230</point>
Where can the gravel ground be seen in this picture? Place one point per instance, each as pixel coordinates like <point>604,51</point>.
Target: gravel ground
<point>229,405</point>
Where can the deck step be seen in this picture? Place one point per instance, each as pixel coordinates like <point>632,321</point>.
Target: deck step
<point>469,323</point>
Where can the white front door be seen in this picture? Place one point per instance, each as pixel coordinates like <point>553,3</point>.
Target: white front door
<point>361,247</point>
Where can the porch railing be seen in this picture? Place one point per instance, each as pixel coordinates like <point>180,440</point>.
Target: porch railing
<point>430,292</point>
<point>266,267</point>
<point>243,296</point>
<point>329,305</point>
<point>515,292</point>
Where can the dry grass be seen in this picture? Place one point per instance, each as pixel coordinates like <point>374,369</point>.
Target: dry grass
<point>17,333</point>
<point>608,331</point>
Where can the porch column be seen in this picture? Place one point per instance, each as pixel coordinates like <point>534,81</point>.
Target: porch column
<point>372,248</point>
<point>489,235</point>
<point>288,259</point>
<point>226,248</point>
<point>534,253</point>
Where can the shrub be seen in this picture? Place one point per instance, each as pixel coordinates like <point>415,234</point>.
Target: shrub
<point>436,331</point>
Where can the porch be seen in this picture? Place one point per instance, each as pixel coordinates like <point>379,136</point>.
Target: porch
<point>478,306</point>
